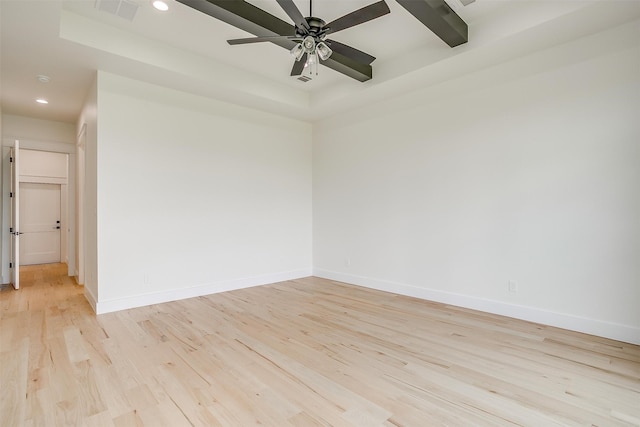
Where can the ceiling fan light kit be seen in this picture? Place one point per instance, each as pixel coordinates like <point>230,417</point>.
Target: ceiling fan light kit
<point>297,51</point>
<point>309,44</point>
<point>313,51</point>
<point>307,39</point>
<point>324,51</point>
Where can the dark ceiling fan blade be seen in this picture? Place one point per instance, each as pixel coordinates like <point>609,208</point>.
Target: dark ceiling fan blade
<point>359,16</point>
<point>347,66</point>
<point>438,16</point>
<point>351,52</point>
<point>294,13</point>
<point>247,17</point>
<point>298,66</point>
<point>259,39</point>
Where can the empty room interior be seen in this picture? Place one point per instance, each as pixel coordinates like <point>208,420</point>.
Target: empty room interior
<point>320,213</point>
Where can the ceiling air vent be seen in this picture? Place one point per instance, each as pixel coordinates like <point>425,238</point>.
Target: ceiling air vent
<point>304,79</point>
<point>123,8</point>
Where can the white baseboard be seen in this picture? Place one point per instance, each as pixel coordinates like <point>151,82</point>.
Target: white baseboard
<point>109,306</point>
<point>600,328</point>
<point>91,299</point>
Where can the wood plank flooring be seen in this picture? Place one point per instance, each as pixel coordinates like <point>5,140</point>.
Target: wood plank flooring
<point>308,352</point>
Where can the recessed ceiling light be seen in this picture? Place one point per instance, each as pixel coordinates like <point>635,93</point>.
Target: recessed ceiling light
<point>42,101</point>
<point>160,5</point>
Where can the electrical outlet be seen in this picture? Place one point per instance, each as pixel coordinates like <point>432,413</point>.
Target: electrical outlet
<point>513,286</point>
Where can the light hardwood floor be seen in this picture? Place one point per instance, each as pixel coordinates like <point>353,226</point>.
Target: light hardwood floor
<point>308,352</point>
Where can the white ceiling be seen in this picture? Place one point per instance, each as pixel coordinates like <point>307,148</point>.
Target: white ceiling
<point>187,50</point>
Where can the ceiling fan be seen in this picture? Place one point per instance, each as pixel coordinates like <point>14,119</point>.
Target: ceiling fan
<point>307,39</point>
<point>311,33</point>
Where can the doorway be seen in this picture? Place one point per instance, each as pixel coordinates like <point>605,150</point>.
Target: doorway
<point>40,223</point>
<point>37,162</point>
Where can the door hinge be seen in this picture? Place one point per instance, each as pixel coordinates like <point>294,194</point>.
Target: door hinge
<point>10,194</point>
<point>10,229</point>
<point>10,265</point>
<point>10,159</point>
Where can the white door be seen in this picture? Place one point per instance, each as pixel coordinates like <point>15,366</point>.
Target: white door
<point>15,216</point>
<point>39,223</point>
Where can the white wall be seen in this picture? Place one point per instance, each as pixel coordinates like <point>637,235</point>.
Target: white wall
<point>43,166</point>
<point>196,196</point>
<point>28,128</point>
<point>87,180</point>
<point>528,172</point>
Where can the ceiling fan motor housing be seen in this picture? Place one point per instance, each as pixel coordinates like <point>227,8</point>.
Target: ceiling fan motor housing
<point>316,24</point>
